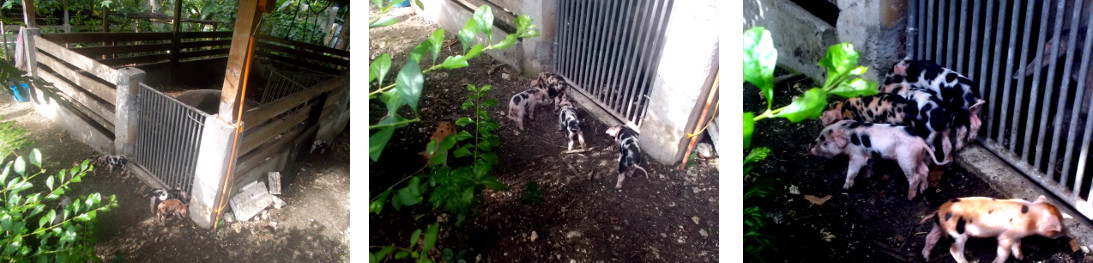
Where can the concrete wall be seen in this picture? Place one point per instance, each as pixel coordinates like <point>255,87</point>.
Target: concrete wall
<point>687,65</point>
<point>197,73</point>
<point>877,30</point>
<point>530,55</point>
<point>800,37</point>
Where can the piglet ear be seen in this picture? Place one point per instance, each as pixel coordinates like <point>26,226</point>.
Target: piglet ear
<point>839,137</point>
<point>1041,199</point>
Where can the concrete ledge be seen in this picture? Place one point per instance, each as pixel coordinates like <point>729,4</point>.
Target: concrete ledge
<point>1008,181</point>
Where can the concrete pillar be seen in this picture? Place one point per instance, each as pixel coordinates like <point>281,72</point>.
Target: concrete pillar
<point>877,30</point>
<point>687,65</point>
<point>800,37</point>
<point>31,52</point>
<point>212,166</point>
<point>530,55</point>
<point>125,110</point>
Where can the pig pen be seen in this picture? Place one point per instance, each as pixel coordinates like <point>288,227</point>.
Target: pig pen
<point>812,219</point>
<point>115,90</point>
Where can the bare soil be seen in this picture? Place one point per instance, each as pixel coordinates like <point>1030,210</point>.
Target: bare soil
<point>871,222</point>
<point>670,217</point>
<point>314,226</point>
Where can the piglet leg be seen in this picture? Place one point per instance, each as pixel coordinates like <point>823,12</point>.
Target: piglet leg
<point>931,240</point>
<point>580,138</point>
<point>957,249</point>
<point>1004,246</point>
<point>856,163</point>
<point>1017,249</point>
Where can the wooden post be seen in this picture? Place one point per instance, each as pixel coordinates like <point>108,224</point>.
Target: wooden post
<point>125,111</point>
<point>343,37</point>
<point>31,51</point>
<point>4,34</point>
<point>175,38</point>
<point>28,14</point>
<point>232,93</point>
<point>68,27</point>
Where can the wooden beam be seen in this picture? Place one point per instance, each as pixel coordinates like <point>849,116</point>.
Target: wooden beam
<point>302,54</point>
<point>232,93</point>
<point>90,83</point>
<point>175,41</point>
<point>253,138</point>
<point>136,60</point>
<point>211,52</point>
<point>62,38</point>
<point>277,107</point>
<point>94,67</point>
<point>96,51</point>
<point>206,43</point>
<point>28,14</point>
<point>102,112</point>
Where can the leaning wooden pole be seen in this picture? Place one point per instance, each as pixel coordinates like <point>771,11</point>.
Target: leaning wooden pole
<point>28,14</point>
<point>698,124</point>
<point>175,41</point>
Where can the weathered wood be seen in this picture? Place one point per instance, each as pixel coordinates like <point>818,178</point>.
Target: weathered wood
<point>274,108</point>
<point>62,38</point>
<point>202,53</point>
<point>175,41</point>
<point>305,55</point>
<point>246,162</point>
<point>206,43</point>
<point>97,51</point>
<point>302,63</point>
<point>303,46</point>
<point>215,34</point>
<point>101,112</point>
<point>91,84</point>
<point>28,14</point>
<point>136,60</point>
<point>84,63</point>
<point>254,138</point>
<point>246,19</point>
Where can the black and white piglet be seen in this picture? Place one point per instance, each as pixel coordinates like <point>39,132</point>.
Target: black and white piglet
<point>567,119</point>
<point>157,195</point>
<point>525,101</point>
<point>630,157</point>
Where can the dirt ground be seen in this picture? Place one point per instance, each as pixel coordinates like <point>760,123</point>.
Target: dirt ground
<point>670,217</point>
<point>312,227</point>
<point>871,222</point>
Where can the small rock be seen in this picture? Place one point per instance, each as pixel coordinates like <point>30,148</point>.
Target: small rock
<point>703,233</point>
<point>265,215</point>
<point>229,218</point>
<point>794,190</point>
<point>713,162</point>
<point>704,150</point>
<point>572,260</point>
<point>682,239</point>
<point>534,236</point>
<point>572,234</point>
<point>695,218</point>
<point>237,227</point>
<point>442,218</point>
<point>278,203</point>
<point>505,76</point>
<point>663,235</point>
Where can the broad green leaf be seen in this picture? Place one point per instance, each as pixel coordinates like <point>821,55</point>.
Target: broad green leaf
<point>855,88</point>
<point>402,254</point>
<point>381,254</point>
<point>530,33</point>
<point>378,140</point>
<point>5,221</point>
<point>486,87</point>
<point>753,158</point>
<point>36,158</point>
<point>859,70</point>
<point>20,166</point>
<point>453,62</point>
<point>463,122</point>
<point>392,100</point>
<point>509,40</point>
<point>462,151</point>
<point>413,238</point>
<point>760,58</point>
<point>430,237</point>
<point>435,41</point>
<point>407,197</point>
<point>492,183</point>
<point>474,52</point>
<point>483,18</point>
<point>419,52</point>
<point>467,104</point>
<point>466,35</point>
<point>430,148</point>
<point>840,60</point>
<point>419,5</point>
<point>808,107</point>
<point>749,126</point>
<point>377,206</point>
<point>522,22</point>
<point>409,83</point>
<point>447,143</point>
<point>379,68</point>
<point>382,22</point>
<point>49,182</point>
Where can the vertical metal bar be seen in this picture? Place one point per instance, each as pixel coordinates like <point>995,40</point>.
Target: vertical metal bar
<point>665,14</point>
<point>614,93</point>
<point>1036,80</point>
<point>582,40</point>
<point>930,45</point>
<point>595,47</point>
<point>1019,100</point>
<point>590,48</point>
<point>571,38</point>
<point>561,51</point>
<point>1014,15</point>
<point>912,29</point>
<point>959,65</point>
<point>648,38</point>
<point>975,44</point>
<point>995,122</point>
<point>923,29</point>
<point>626,91</point>
<point>1059,15</point>
<point>1083,75</point>
<point>610,48</point>
<point>1078,95</point>
<point>951,20</point>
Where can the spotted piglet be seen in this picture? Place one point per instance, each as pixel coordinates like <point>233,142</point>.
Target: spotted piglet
<point>1008,220</point>
<point>863,141</point>
<point>172,207</point>
<point>567,119</point>
<point>630,157</point>
<point>554,85</point>
<point>525,101</point>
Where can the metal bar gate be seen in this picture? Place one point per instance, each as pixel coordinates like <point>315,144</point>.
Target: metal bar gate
<point>1031,61</point>
<point>168,137</point>
<point>610,50</point>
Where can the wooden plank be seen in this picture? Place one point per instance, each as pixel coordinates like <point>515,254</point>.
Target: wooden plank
<point>256,137</point>
<point>105,92</point>
<point>274,108</point>
<point>84,63</point>
<point>103,112</point>
<point>62,38</point>
<point>306,55</point>
<point>98,51</point>
<point>301,63</point>
<point>216,34</point>
<point>273,147</point>
<point>206,43</point>
<point>211,52</point>
<point>231,94</point>
<point>305,46</point>
<point>136,60</point>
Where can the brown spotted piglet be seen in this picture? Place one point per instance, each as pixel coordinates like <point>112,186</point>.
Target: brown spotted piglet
<point>525,102</point>
<point>1008,220</point>
<point>553,85</point>
<point>443,129</point>
<point>863,141</point>
<point>172,207</point>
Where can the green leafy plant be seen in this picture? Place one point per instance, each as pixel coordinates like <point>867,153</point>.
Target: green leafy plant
<point>760,57</point>
<point>12,138</point>
<point>532,195</point>
<point>32,230</point>
<point>427,241</point>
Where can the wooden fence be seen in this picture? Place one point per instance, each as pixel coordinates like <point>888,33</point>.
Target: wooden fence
<point>303,55</point>
<point>137,49</point>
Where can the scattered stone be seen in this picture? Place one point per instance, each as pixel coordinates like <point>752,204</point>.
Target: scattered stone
<point>277,202</point>
<point>572,260</point>
<point>713,162</point>
<point>663,235</point>
<point>237,227</point>
<point>682,239</point>
<point>793,190</point>
<point>534,236</point>
<point>265,214</point>
<point>703,233</point>
<point>229,218</point>
<point>506,76</point>
<point>442,218</point>
<point>826,236</point>
<point>704,150</point>
<point>817,200</point>
<point>695,218</point>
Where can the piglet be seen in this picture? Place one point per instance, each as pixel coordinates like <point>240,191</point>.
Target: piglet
<point>863,141</point>
<point>553,85</point>
<point>1008,220</point>
<point>567,119</point>
<point>630,158</point>
<point>157,195</point>
<point>443,129</point>
<point>172,207</point>
<point>525,101</point>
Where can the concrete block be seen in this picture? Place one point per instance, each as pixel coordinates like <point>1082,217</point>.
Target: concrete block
<point>212,166</point>
<point>251,200</point>
<point>529,56</point>
<point>274,182</point>
<point>877,30</point>
<point>800,37</point>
